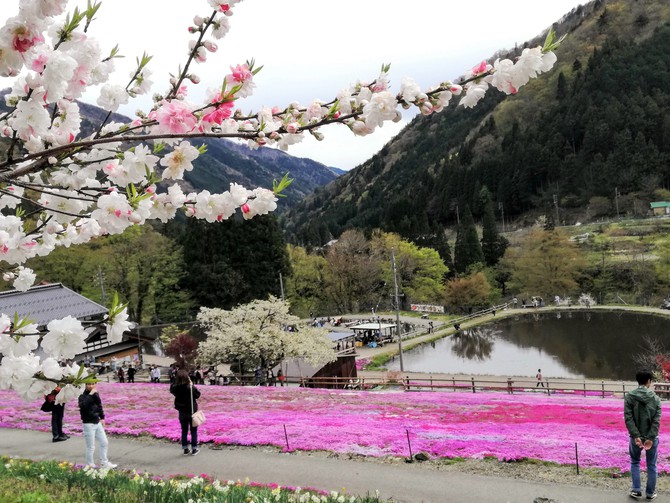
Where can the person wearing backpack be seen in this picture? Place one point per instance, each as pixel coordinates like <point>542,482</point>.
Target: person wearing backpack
<point>642,414</point>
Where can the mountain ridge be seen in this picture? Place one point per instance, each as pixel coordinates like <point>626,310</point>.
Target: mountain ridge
<point>228,162</point>
<point>526,149</point>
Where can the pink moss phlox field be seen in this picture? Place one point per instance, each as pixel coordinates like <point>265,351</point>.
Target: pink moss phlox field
<point>442,424</point>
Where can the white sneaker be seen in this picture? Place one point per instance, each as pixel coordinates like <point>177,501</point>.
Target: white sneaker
<point>108,465</point>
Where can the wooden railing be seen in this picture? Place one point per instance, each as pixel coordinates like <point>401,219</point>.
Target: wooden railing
<point>465,385</point>
<point>473,385</point>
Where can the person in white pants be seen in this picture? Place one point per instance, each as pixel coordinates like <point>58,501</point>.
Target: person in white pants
<point>93,418</point>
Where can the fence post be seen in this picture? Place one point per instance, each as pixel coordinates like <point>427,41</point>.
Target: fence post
<point>548,392</point>
<point>473,384</point>
<point>623,388</point>
<point>602,383</point>
<point>453,383</point>
<point>585,388</point>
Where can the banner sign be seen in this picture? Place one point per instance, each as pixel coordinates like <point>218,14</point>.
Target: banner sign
<point>425,308</point>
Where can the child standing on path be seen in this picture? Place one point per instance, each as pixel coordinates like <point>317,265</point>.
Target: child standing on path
<point>93,419</point>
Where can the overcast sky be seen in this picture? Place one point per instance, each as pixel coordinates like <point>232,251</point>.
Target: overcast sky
<point>313,48</point>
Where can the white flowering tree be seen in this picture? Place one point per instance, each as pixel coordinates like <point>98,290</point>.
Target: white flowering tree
<point>60,188</point>
<point>260,335</point>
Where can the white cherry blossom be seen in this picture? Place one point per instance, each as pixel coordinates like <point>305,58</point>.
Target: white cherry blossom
<point>65,338</point>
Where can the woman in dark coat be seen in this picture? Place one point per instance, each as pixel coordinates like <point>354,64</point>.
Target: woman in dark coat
<point>185,401</point>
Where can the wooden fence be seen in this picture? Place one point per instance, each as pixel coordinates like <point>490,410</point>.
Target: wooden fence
<point>472,385</point>
<point>464,385</point>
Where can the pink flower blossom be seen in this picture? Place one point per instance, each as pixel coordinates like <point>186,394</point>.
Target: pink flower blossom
<point>175,117</point>
<point>222,111</point>
<point>241,73</point>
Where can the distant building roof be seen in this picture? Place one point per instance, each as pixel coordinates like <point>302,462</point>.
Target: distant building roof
<point>338,336</point>
<point>373,326</point>
<point>44,303</point>
<point>660,204</point>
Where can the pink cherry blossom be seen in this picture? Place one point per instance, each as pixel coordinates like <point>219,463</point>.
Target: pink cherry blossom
<point>175,117</point>
<point>241,73</point>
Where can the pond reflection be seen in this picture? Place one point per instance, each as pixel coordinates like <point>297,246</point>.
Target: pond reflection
<point>473,344</point>
<point>575,344</point>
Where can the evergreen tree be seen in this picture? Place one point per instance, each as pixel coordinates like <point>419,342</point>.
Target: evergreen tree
<point>468,249</point>
<point>233,262</point>
<point>493,244</point>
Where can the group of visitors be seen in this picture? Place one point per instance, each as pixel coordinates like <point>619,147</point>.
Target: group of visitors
<point>92,416</point>
<point>122,373</point>
<point>642,416</point>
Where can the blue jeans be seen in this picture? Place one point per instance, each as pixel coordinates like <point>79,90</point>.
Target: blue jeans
<point>95,432</point>
<point>651,454</point>
<point>186,424</point>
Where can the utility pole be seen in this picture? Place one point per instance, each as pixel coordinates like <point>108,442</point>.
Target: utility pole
<point>397,313</point>
<point>102,286</point>
<point>502,213</point>
<point>558,222</point>
<point>458,218</point>
<point>616,201</point>
<point>281,287</point>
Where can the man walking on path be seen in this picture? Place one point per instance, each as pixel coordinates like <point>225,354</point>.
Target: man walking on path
<point>539,379</point>
<point>642,413</point>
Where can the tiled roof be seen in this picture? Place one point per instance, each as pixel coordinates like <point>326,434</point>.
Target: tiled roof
<point>44,303</point>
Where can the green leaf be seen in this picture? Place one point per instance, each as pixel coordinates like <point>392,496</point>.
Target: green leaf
<point>279,187</point>
<point>550,42</point>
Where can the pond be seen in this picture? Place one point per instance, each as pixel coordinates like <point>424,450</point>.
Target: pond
<point>590,344</point>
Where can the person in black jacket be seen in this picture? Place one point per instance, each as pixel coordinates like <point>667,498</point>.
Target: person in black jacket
<point>57,413</point>
<point>185,401</point>
<point>93,417</point>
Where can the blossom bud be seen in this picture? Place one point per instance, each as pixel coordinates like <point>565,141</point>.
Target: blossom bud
<point>194,78</point>
<point>318,135</point>
<point>198,20</point>
<point>292,127</point>
<point>192,29</point>
<point>245,208</point>
<point>7,131</point>
<point>173,80</point>
<point>210,46</point>
<point>52,160</point>
<point>8,276</point>
<point>135,217</point>
<point>426,109</point>
<point>261,141</point>
<point>456,89</point>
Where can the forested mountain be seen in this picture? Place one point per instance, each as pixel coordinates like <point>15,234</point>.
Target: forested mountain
<point>226,161</point>
<point>591,137</point>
